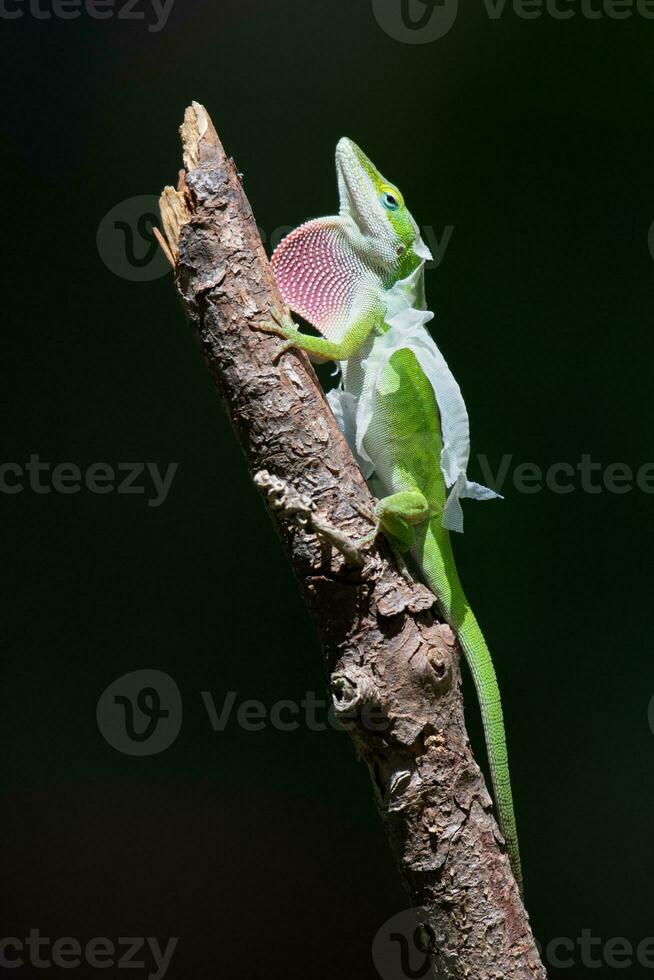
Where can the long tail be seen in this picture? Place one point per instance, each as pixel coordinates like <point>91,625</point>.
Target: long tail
<point>435,557</point>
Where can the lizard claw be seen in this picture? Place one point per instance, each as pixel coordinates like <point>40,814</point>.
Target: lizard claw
<point>364,511</point>
<point>366,540</point>
<point>283,319</point>
<point>289,345</point>
<point>282,326</point>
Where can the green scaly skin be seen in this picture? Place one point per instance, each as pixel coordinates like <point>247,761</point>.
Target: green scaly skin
<point>404,435</point>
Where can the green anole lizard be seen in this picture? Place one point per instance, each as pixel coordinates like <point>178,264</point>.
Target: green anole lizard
<point>358,277</point>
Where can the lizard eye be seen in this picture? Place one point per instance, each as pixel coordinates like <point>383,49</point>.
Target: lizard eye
<point>389,201</point>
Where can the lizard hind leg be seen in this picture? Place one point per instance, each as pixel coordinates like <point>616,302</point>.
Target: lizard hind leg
<point>399,513</point>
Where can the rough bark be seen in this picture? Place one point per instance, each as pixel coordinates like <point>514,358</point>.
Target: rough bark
<point>393,668</point>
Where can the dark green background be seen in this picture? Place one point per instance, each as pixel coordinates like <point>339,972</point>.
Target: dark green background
<point>263,851</point>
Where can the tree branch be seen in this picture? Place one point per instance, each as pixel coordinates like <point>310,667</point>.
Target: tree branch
<point>386,654</point>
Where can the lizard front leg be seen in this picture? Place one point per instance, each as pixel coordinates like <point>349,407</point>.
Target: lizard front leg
<point>354,337</point>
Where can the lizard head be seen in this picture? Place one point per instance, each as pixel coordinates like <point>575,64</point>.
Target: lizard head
<point>388,234</point>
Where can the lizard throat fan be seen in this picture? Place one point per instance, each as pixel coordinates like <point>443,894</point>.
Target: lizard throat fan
<point>321,266</point>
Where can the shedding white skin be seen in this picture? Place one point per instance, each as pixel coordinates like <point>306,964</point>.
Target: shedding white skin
<point>406,320</point>
<point>332,271</point>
